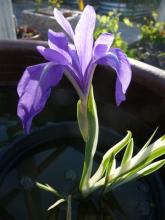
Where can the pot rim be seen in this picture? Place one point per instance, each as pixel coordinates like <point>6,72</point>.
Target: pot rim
<point>143,73</point>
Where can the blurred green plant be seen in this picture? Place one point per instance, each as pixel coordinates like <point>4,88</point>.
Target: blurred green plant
<point>152,45</point>
<point>110,24</point>
<point>53,3</point>
<point>152,30</point>
<point>56,3</point>
<point>38,4</point>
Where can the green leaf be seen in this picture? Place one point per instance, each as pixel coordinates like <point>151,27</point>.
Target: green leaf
<point>143,172</point>
<point>150,139</point>
<point>150,153</point>
<point>143,158</point>
<point>48,188</point>
<point>127,157</point>
<point>42,186</point>
<point>127,22</point>
<point>110,169</point>
<point>114,150</point>
<point>140,162</point>
<point>136,166</point>
<point>128,153</point>
<point>151,168</point>
<point>58,202</point>
<point>91,143</point>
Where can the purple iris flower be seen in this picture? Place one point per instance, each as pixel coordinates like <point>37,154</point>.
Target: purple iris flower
<point>77,60</point>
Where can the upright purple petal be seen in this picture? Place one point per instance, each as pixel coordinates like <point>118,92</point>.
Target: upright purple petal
<point>34,89</point>
<point>63,22</point>
<point>102,45</point>
<point>116,59</point>
<point>57,39</point>
<point>84,36</point>
<point>75,59</point>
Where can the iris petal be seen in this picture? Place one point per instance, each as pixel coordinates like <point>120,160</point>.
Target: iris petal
<point>102,45</point>
<point>123,68</point>
<point>34,89</point>
<point>58,56</point>
<point>116,59</point>
<point>84,36</point>
<point>75,59</point>
<point>57,39</point>
<point>63,58</point>
<point>78,60</point>
<point>63,22</point>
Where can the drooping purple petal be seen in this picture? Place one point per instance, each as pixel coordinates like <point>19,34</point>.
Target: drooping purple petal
<point>61,57</point>
<point>84,36</point>
<point>123,69</point>
<point>57,39</point>
<point>58,56</point>
<point>116,59</point>
<point>102,45</point>
<point>34,89</point>
<point>119,94</point>
<point>63,22</point>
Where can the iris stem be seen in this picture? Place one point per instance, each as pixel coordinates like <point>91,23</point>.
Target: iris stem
<point>91,141</point>
<point>69,208</point>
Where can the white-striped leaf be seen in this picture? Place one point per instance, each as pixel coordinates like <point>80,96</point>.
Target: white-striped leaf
<point>110,169</point>
<point>58,202</point>
<point>150,139</point>
<point>128,153</point>
<point>114,150</point>
<point>48,188</point>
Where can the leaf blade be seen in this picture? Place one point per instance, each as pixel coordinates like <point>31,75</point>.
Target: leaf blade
<point>115,149</point>
<point>128,152</point>
<point>58,202</point>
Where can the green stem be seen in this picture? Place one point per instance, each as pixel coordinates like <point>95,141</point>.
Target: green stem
<point>69,208</point>
<point>82,118</point>
<point>92,129</point>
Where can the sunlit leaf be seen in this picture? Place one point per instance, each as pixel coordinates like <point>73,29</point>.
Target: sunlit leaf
<point>136,167</point>
<point>48,188</point>
<point>143,172</point>
<point>150,139</point>
<point>114,150</point>
<point>58,202</point>
<point>127,22</point>
<point>110,169</point>
<point>128,153</point>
